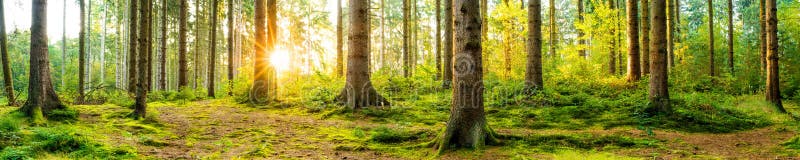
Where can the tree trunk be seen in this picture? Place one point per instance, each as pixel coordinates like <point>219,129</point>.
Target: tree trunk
<point>773,92</point>
<point>162,70</point>
<point>581,39</point>
<point>230,47</point>
<point>659,93</point>
<point>212,56</point>
<point>88,74</point>
<point>438,40</point>
<point>82,55</point>
<point>484,18</point>
<point>140,106</point>
<point>447,75</point>
<point>358,92</point>
<point>339,40</point>
<point>406,39</point>
<point>41,97</point>
<point>103,48</point>
<point>670,33</point>
<point>730,36</point>
<point>134,46</point>
<point>612,53</point>
<point>634,73</point>
<point>533,72</point>
<point>553,40</point>
<point>467,127</point>
<point>8,84</point>
<point>63,49</point>
<point>763,34</point>
<point>182,67</point>
<point>645,37</point>
<point>711,47</point>
<point>264,44</point>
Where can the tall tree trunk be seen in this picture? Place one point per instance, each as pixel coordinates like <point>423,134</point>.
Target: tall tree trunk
<point>150,39</point>
<point>230,47</point>
<point>140,106</point>
<point>182,67</point>
<point>533,72</point>
<point>763,34</point>
<point>162,70</point>
<point>133,47</point>
<point>447,75</point>
<point>212,56</point>
<point>103,48</point>
<point>659,92</point>
<point>197,42</point>
<point>773,92</point>
<point>645,37</point>
<point>670,33</point>
<point>612,53</point>
<point>82,54</point>
<point>553,40</point>
<point>358,92</point>
<point>730,36</point>
<point>383,36</point>
<point>438,39</point>
<point>8,84</point>
<point>467,126</point>
<point>88,55</point>
<point>264,44</point>
<point>581,38</point>
<point>406,39</point>
<point>63,48</point>
<point>339,40</point>
<point>634,72</point>
<point>711,47</point>
<point>41,97</point>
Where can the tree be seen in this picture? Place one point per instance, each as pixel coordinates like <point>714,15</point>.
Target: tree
<point>467,126</point>
<point>773,92</point>
<point>659,92</point>
<point>581,40</point>
<point>711,38</point>
<point>670,33</point>
<point>533,72</point>
<point>634,73</point>
<point>645,45</point>
<point>140,105</point>
<point>763,34</point>
<point>553,40</point>
<point>133,47</point>
<point>438,40</point>
<point>230,47</point>
<point>212,55</point>
<point>612,53</point>
<point>358,91</point>
<point>182,67</point>
<point>42,99</point>
<point>264,72</point>
<point>8,84</point>
<point>447,75</point>
<point>103,47</point>
<point>81,55</point>
<point>162,58</point>
<point>63,47</point>
<point>339,40</point>
<point>730,35</point>
<point>406,39</point>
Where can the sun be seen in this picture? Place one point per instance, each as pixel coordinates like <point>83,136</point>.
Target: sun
<point>280,60</point>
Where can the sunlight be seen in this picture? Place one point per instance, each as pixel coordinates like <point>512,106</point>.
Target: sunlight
<point>280,60</point>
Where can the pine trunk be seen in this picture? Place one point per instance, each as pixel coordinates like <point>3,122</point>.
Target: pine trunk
<point>133,47</point>
<point>438,40</point>
<point>645,37</point>
<point>612,53</point>
<point>711,47</point>
<point>162,70</point>
<point>406,39</point>
<point>763,34</point>
<point>358,92</point>
<point>447,75</point>
<point>182,67</point>
<point>730,36</point>
<point>533,72</point>
<point>634,72</point>
<point>659,93</point>
<point>82,55</point>
<point>581,38</point>
<point>140,105</point>
<point>230,47</point>
<point>553,40</point>
<point>212,55</point>
<point>773,92</point>
<point>8,84</point>
<point>42,98</point>
<point>339,40</point>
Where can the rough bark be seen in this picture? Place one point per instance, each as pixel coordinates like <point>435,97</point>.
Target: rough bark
<point>634,72</point>
<point>42,97</point>
<point>533,72</point>
<point>212,55</point>
<point>438,40</point>
<point>612,52</point>
<point>645,37</point>
<point>230,47</point>
<point>447,75</point>
<point>140,105</point>
<point>339,40</point>
<point>406,39</point>
<point>358,91</point>
<point>182,66</point>
<point>763,34</point>
<point>581,39</point>
<point>8,84</point>
<point>670,33</point>
<point>553,29</point>
<point>133,46</point>
<point>773,93</point>
<point>658,92</point>
<point>711,70</point>
<point>81,55</point>
<point>467,127</point>
<point>162,59</point>
<point>730,36</point>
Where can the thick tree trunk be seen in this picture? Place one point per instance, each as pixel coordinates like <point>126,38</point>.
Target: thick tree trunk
<point>533,72</point>
<point>773,92</point>
<point>212,56</point>
<point>438,40</point>
<point>82,55</point>
<point>406,39</point>
<point>140,105</point>
<point>645,37</point>
<point>467,127</point>
<point>581,38</point>
<point>8,84</point>
<point>339,40</point>
<point>730,36</point>
<point>358,92</point>
<point>264,44</point>
<point>711,47</point>
<point>447,75</point>
<point>634,72</point>
<point>182,67</point>
<point>659,92</point>
<point>41,97</point>
<point>230,47</point>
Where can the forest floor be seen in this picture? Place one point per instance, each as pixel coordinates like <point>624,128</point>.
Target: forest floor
<point>224,129</point>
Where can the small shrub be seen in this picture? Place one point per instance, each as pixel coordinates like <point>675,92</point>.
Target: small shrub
<point>57,140</point>
<point>17,153</point>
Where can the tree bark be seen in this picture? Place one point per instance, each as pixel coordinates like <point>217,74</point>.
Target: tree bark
<point>484,18</point>
<point>358,92</point>
<point>711,47</point>
<point>467,127</point>
<point>447,75</point>
<point>103,48</point>
<point>63,48</point>
<point>730,36</point>
<point>8,84</point>
<point>230,47</point>
<point>670,33</point>
<point>264,44</point>
<point>162,71</point>
<point>406,39</point>
<point>182,67</point>
<point>133,48</point>
<point>659,92</point>
<point>581,39</point>
<point>612,53</point>
<point>339,40</point>
<point>533,72</point>
<point>82,55</point>
<point>140,105</point>
<point>634,73</point>
<point>763,34</point>
<point>773,92</point>
<point>645,37</point>
<point>212,55</point>
<point>42,99</point>
<point>553,40</point>
<point>438,40</point>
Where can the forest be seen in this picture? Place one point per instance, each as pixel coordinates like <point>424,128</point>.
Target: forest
<point>400,79</point>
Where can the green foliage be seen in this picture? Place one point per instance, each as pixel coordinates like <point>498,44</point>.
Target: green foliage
<point>389,135</point>
<point>704,113</point>
<point>793,143</point>
<point>66,114</point>
<point>552,143</point>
